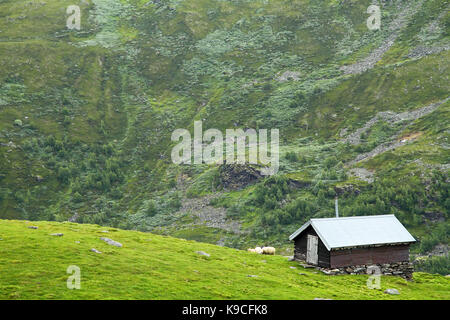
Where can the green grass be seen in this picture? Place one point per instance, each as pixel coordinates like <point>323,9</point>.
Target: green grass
<point>33,265</point>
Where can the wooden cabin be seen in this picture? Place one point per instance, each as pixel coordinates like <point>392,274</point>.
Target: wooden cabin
<point>352,241</point>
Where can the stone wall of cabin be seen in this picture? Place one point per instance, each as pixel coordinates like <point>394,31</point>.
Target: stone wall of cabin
<point>403,269</point>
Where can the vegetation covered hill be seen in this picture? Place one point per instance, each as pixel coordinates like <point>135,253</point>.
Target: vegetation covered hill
<point>33,265</point>
<point>87,116</point>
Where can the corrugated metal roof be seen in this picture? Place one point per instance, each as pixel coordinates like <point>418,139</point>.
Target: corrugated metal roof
<point>358,231</point>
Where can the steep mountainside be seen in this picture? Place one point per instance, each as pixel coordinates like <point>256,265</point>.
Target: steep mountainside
<point>87,115</point>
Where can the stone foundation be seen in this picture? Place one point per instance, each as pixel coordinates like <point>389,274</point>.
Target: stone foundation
<point>401,269</point>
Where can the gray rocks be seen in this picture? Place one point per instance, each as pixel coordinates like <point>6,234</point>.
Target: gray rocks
<point>395,28</point>
<point>392,291</point>
<point>207,214</point>
<point>57,234</point>
<point>95,250</point>
<point>202,253</point>
<point>391,117</point>
<point>289,75</point>
<point>252,276</point>
<point>362,174</point>
<point>422,51</point>
<point>327,272</point>
<point>111,242</point>
<point>32,227</point>
<point>403,269</point>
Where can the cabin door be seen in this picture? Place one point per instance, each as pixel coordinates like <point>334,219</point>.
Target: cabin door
<point>311,251</point>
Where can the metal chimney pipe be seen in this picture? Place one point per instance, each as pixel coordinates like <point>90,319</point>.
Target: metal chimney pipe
<point>336,207</point>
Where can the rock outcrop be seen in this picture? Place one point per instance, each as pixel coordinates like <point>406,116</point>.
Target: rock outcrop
<point>236,176</point>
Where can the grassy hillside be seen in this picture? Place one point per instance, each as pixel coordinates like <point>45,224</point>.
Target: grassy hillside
<point>33,265</point>
<point>86,116</point>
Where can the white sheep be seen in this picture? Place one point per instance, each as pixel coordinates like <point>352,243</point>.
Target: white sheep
<point>251,250</point>
<point>268,250</point>
<point>258,250</point>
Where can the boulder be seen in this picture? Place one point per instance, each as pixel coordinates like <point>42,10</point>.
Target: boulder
<point>392,291</point>
<point>202,253</point>
<point>236,176</point>
<point>111,242</point>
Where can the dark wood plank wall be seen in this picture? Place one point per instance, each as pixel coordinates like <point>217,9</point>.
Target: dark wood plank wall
<point>371,255</point>
<point>300,248</point>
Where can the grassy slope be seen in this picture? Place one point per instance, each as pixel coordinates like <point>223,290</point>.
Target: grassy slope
<point>33,265</point>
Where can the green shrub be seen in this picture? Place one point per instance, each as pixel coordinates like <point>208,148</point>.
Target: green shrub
<point>440,265</point>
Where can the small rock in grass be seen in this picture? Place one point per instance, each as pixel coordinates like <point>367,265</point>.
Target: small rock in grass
<point>307,266</point>
<point>202,253</point>
<point>252,276</point>
<point>327,272</point>
<point>77,241</point>
<point>264,261</point>
<point>391,291</point>
<point>293,267</point>
<point>302,274</point>
<point>111,242</point>
<point>57,234</point>
<point>105,231</point>
<point>32,227</point>
<point>95,250</point>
